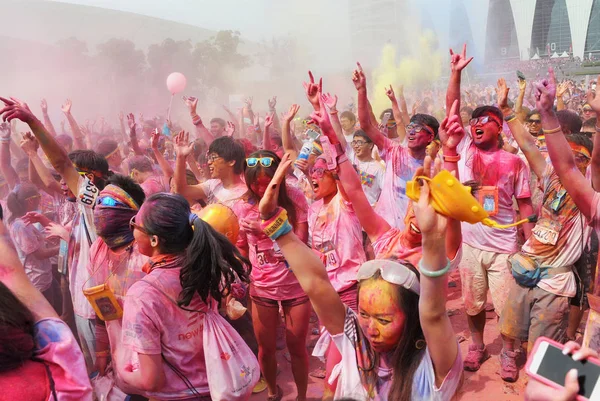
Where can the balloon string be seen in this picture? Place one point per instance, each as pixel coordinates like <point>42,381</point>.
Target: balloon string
<point>170,104</point>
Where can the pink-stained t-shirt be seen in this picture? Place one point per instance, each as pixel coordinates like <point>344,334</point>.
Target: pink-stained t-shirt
<point>153,324</point>
<point>119,272</point>
<point>56,347</point>
<point>509,175</point>
<point>559,236</point>
<point>271,277</point>
<point>155,184</point>
<point>335,234</point>
<point>400,168</point>
<point>28,239</point>
<point>217,193</point>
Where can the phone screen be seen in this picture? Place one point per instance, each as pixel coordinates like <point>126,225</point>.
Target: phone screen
<point>554,366</point>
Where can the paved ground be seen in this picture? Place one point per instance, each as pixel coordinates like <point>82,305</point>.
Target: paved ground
<point>482,385</point>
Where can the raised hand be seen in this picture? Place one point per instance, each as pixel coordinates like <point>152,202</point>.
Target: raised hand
<point>257,121</point>
<point>502,94</point>
<point>272,103</point>
<point>459,61</point>
<point>35,217</point>
<point>66,107</point>
<point>230,130</point>
<point>562,88</point>
<point>451,131</point>
<point>330,101</point>
<point>29,143</point>
<point>5,130</point>
<point>131,121</point>
<point>269,120</point>
<point>121,116</point>
<point>313,90</point>
<point>358,78</point>
<point>594,100</point>
<point>268,203</point>
<point>182,145</point>
<point>321,118</point>
<point>291,113</point>
<point>155,139</point>
<point>429,221</point>
<point>248,103</point>
<point>522,85</point>
<point>252,226</point>
<point>545,92</point>
<point>44,106</point>
<point>15,109</point>
<point>390,93</point>
<point>191,102</point>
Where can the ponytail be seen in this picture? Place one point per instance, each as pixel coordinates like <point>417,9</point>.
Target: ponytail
<point>213,263</point>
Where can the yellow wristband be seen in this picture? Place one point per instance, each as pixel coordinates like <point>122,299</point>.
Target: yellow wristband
<point>552,131</point>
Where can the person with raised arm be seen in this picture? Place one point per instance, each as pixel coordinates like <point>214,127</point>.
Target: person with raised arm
<point>47,121</point>
<point>401,160</point>
<point>287,139</point>
<point>226,159</point>
<point>500,178</point>
<point>388,241</point>
<point>41,360</point>
<point>396,347</point>
<point>272,281</point>
<point>84,173</point>
<point>78,136</point>
<point>6,168</point>
<point>541,308</point>
<point>397,115</point>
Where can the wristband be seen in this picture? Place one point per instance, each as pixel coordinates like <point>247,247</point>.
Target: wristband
<point>510,118</point>
<point>5,140</point>
<point>451,159</point>
<point>277,225</point>
<point>552,131</point>
<point>196,120</point>
<point>433,274</point>
<point>103,353</point>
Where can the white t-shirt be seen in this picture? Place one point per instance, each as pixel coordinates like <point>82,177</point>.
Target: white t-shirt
<point>371,175</point>
<point>349,379</point>
<point>217,193</point>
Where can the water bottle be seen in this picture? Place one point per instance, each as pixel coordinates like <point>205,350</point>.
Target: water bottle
<point>305,151</point>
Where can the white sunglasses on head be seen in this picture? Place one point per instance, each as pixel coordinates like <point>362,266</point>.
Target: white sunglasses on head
<point>392,272</point>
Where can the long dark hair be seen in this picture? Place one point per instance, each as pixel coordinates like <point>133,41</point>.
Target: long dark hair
<point>212,263</point>
<point>252,173</point>
<point>17,199</point>
<point>16,331</point>
<point>410,349</point>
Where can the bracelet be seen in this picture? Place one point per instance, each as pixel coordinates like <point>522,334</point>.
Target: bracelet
<point>552,131</point>
<point>196,120</point>
<point>333,112</point>
<point>103,353</point>
<point>5,140</point>
<point>277,225</point>
<point>451,159</point>
<point>433,274</point>
<point>510,118</point>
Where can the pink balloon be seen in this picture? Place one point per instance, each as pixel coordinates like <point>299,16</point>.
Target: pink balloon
<point>176,82</point>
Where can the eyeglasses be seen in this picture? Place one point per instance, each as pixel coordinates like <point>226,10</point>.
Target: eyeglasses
<point>109,201</point>
<point>482,120</point>
<point>586,110</point>
<point>534,121</point>
<point>133,226</point>
<point>392,272</point>
<point>417,128</point>
<point>213,157</point>
<point>319,172</point>
<point>358,143</point>
<point>264,161</point>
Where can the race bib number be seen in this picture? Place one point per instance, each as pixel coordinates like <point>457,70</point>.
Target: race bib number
<point>546,231</point>
<point>488,198</point>
<point>330,255</point>
<point>88,193</point>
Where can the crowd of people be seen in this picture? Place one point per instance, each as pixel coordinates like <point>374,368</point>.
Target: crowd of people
<point>146,262</point>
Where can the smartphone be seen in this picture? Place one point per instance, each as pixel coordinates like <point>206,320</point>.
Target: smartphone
<point>386,118</point>
<point>548,365</point>
<point>520,75</point>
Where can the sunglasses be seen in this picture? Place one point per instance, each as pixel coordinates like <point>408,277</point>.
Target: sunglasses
<point>482,120</point>
<point>109,201</point>
<point>392,272</point>
<point>417,128</point>
<point>264,161</point>
<point>358,143</point>
<point>534,121</point>
<point>133,226</point>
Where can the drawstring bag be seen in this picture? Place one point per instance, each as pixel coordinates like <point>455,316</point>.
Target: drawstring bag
<point>231,367</point>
